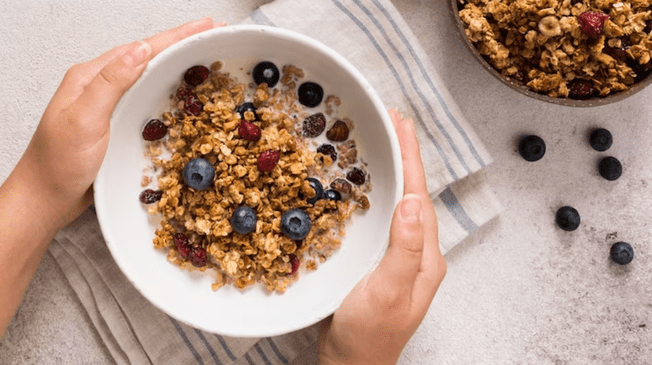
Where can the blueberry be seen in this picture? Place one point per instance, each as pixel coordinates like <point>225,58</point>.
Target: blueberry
<point>266,72</point>
<point>310,94</point>
<point>198,174</point>
<point>568,218</point>
<point>600,139</point>
<point>332,194</point>
<point>317,187</point>
<point>610,168</point>
<point>296,224</point>
<point>244,107</point>
<point>622,253</point>
<point>243,220</point>
<point>532,148</point>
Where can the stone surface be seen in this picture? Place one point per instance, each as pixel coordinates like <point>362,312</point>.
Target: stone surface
<point>519,291</point>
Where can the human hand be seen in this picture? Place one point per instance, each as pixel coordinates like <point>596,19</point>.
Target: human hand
<point>382,312</point>
<point>67,149</point>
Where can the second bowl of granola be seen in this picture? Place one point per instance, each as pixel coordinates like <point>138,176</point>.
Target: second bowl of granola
<point>572,53</point>
<point>249,182</point>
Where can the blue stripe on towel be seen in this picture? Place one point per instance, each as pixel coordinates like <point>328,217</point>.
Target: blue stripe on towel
<point>210,349</point>
<point>225,346</point>
<point>260,18</point>
<point>248,358</point>
<point>186,340</point>
<point>402,86</point>
<point>262,354</point>
<point>457,211</point>
<point>417,89</point>
<point>276,350</point>
<point>425,75</point>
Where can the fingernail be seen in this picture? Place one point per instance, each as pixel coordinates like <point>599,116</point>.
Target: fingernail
<point>137,54</point>
<point>411,208</point>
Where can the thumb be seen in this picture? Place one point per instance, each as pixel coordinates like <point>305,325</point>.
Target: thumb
<point>400,266</point>
<point>102,94</point>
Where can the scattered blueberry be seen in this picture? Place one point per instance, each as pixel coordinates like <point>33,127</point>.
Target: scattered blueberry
<point>243,220</point>
<point>149,196</point>
<point>154,130</point>
<point>196,75</point>
<point>244,107</point>
<point>317,187</point>
<point>568,218</point>
<point>600,139</point>
<point>198,174</point>
<point>610,168</point>
<point>296,224</point>
<point>310,94</point>
<point>332,194</point>
<point>328,150</point>
<point>266,72</point>
<point>622,253</point>
<point>532,148</point>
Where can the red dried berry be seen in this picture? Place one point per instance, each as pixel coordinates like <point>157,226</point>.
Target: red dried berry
<point>268,160</point>
<point>294,260</point>
<point>342,186</point>
<point>591,23</point>
<point>149,196</point>
<point>192,105</point>
<point>580,89</point>
<point>154,130</point>
<point>249,131</point>
<point>339,132</point>
<point>314,125</point>
<point>328,150</point>
<point>196,75</point>
<point>356,176</point>
<point>198,256</point>
<point>182,93</point>
<point>183,246</point>
<point>619,53</point>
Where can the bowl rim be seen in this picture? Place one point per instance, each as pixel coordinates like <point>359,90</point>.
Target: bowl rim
<point>597,101</point>
<point>398,178</point>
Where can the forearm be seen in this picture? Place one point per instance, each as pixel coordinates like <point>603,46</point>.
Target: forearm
<point>28,221</point>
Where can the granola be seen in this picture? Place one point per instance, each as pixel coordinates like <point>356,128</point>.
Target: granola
<point>563,48</point>
<point>233,126</point>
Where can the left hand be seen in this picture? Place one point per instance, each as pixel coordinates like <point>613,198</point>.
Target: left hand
<point>67,149</point>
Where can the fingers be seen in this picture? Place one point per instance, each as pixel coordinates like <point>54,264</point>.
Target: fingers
<point>399,268</point>
<point>165,39</point>
<point>413,173</point>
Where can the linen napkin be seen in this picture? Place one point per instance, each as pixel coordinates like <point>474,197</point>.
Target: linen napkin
<point>372,35</point>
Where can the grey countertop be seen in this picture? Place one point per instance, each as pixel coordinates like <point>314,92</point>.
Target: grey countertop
<point>519,291</point>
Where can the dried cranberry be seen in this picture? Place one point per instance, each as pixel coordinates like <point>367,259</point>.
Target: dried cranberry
<point>268,160</point>
<point>183,246</point>
<point>198,256</point>
<point>342,186</point>
<point>591,23</point>
<point>192,105</point>
<point>328,150</point>
<point>294,260</point>
<point>356,176</point>
<point>619,53</point>
<point>149,196</point>
<point>580,89</point>
<point>154,130</point>
<point>196,75</point>
<point>249,131</point>
<point>314,125</point>
<point>339,132</point>
<point>182,93</point>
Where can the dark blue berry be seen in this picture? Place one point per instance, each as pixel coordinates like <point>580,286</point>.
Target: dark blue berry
<point>246,107</point>
<point>622,253</point>
<point>243,220</point>
<point>532,148</point>
<point>610,168</point>
<point>317,187</point>
<point>310,94</point>
<point>296,224</point>
<point>568,218</point>
<point>600,139</point>
<point>196,75</point>
<point>266,72</point>
<point>332,194</point>
<point>198,174</point>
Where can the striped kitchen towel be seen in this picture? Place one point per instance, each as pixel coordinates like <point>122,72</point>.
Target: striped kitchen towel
<point>372,35</point>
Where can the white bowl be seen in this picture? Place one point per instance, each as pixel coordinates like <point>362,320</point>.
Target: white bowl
<point>187,296</point>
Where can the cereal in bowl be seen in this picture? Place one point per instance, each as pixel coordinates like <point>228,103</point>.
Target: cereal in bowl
<point>254,180</point>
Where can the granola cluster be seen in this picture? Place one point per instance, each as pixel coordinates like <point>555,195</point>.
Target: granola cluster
<point>563,48</point>
<point>203,216</point>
